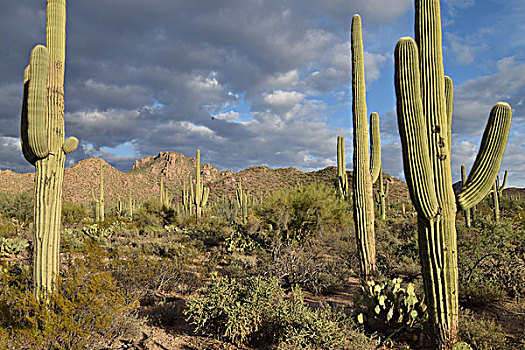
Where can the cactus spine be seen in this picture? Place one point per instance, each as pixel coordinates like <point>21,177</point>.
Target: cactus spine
<point>424,117</point>
<point>342,176</point>
<point>363,173</point>
<point>99,202</point>
<point>497,192</point>
<point>43,144</point>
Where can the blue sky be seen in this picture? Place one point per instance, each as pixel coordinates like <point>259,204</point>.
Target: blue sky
<point>253,82</point>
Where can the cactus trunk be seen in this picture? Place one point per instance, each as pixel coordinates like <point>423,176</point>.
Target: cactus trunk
<point>362,179</point>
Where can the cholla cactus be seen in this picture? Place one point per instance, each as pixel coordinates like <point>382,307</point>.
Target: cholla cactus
<point>43,143</point>
<point>424,109</point>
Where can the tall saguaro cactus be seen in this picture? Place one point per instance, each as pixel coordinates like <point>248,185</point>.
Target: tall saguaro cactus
<point>363,174</point>
<point>342,177</point>
<point>43,143</point>
<point>424,109</point>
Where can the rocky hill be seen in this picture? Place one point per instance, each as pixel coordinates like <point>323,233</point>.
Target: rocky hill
<point>143,180</point>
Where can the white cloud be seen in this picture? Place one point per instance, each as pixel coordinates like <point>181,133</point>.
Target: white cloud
<point>283,99</point>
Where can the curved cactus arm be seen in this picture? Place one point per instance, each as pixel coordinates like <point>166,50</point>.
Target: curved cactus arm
<point>449,96</point>
<point>413,128</point>
<point>488,160</point>
<point>34,137</point>
<point>375,147</point>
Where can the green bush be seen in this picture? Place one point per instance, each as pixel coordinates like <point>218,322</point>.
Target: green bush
<point>18,206</point>
<point>257,309</point>
<point>480,333</point>
<point>73,213</point>
<point>491,261</point>
<point>302,212</point>
<point>88,309</point>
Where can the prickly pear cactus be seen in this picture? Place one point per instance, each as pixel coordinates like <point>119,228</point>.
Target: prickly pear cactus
<point>43,143</point>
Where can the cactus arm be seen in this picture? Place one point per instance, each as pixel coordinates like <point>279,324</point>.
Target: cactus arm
<point>449,95</point>
<point>413,129</point>
<point>500,189</point>
<point>488,160</point>
<point>70,145</point>
<point>342,179</point>
<point>375,147</point>
<point>34,113</point>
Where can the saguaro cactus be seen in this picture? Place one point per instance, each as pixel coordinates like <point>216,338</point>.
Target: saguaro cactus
<point>201,193</point>
<point>43,144</point>
<point>497,192</point>
<point>164,194</point>
<point>424,119</point>
<point>130,204</point>
<point>383,195</point>
<point>242,201</point>
<point>99,202</point>
<point>342,177</point>
<point>363,174</point>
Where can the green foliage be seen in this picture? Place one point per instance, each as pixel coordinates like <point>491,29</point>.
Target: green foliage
<point>87,309</point>
<point>18,206</point>
<point>480,333</point>
<point>389,303</point>
<point>303,212</point>
<point>257,309</point>
<point>73,213</point>
<point>491,261</point>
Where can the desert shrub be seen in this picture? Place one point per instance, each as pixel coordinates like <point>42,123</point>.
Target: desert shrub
<point>397,249</point>
<point>87,310</point>
<point>18,206</point>
<point>307,266</point>
<point>301,212</point>
<point>149,278</point>
<point>491,261</point>
<point>73,213</point>
<point>257,309</point>
<point>480,333</point>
